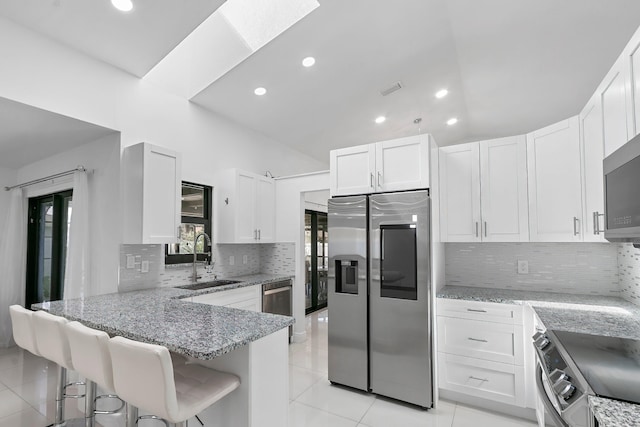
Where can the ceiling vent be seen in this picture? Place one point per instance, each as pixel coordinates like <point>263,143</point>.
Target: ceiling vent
<point>396,86</point>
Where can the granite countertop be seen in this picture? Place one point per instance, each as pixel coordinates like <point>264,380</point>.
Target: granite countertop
<point>614,413</point>
<point>587,314</point>
<point>160,316</point>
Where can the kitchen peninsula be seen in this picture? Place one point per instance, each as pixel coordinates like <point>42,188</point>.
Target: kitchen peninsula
<point>249,344</point>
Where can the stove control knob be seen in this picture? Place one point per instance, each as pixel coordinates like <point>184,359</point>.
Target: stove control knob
<point>537,335</point>
<point>558,375</point>
<point>541,342</point>
<point>564,389</point>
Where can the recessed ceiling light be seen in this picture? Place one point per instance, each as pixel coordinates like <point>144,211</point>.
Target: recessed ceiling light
<point>380,119</point>
<point>122,5</point>
<point>452,121</point>
<point>260,91</point>
<point>441,93</point>
<point>308,61</point>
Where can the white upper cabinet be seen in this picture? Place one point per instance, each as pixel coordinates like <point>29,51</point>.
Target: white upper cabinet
<point>152,190</point>
<point>244,208</point>
<point>484,191</point>
<point>394,165</point>
<point>634,62</point>
<point>555,187</point>
<point>591,124</point>
<point>614,107</point>
<point>503,190</point>
<point>460,193</point>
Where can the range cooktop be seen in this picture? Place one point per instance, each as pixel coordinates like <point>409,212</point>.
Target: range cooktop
<point>611,366</point>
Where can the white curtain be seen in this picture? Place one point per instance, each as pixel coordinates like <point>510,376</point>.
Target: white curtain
<point>13,257</point>
<point>77,280</point>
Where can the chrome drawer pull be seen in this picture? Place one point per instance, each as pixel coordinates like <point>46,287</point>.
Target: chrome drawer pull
<point>471,377</point>
<point>476,339</point>
<point>476,311</point>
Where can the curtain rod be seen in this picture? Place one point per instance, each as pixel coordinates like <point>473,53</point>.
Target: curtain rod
<point>46,178</point>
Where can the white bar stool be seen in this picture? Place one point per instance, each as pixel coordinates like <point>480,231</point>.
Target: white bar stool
<point>145,378</point>
<point>53,345</point>
<point>91,358</point>
<point>23,332</point>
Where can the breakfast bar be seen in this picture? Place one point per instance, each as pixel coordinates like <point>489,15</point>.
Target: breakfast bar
<point>249,344</point>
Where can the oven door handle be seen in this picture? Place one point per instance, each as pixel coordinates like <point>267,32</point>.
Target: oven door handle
<point>551,410</point>
<point>277,290</point>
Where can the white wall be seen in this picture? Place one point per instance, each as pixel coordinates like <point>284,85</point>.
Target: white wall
<point>7,179</point>
<point>103,157</point>
<point>317,200</point>
<point>290,203</point>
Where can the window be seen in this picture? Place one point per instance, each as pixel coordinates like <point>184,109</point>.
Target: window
<point>196,218</point>
<point>48,236</point>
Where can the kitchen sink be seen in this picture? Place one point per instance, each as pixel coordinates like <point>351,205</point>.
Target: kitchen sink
<point>205,285</point>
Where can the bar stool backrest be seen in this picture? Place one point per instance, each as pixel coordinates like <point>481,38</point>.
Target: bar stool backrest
<point>90,353</point>
<point>52,338</point>
<point>143,376</point>
<point>23,332</point>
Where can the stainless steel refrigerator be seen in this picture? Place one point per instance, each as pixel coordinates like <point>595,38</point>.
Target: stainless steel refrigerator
<point>379,295</point>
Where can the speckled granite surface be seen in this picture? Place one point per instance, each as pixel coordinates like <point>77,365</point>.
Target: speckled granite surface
<point>587,314</point>
<point>159,316</point>
<point>250,280</point>
<point>613,413</point>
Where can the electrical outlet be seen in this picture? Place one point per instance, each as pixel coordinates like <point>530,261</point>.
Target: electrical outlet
<point>232,260</point>
<point>523,267</point>
<point>245,259</point>
<point>144,266</point>
<point>131,261</point>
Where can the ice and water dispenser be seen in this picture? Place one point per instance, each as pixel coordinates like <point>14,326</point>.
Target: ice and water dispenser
<point>347,277</point>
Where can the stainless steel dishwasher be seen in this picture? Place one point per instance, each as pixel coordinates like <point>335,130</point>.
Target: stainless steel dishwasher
<point>277,298</point>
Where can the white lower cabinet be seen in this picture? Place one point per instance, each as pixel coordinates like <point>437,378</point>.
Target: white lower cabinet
<point>481,350</point>
<point>247,298</point>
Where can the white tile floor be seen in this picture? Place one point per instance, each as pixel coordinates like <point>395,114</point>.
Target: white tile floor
<point>27,394</point>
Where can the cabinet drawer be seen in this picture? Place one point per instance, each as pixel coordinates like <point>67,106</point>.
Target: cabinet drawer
<point>231,296</point>
<point>484,340</point>
<point>481,378</point>
<point>485,311</point>
<point>251,305</point>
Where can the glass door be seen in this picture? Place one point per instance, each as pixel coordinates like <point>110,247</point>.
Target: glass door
<point>316,260</point>
<point>48,236</point>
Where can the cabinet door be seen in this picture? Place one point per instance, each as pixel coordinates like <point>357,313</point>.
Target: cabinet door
<point>352,170</point>
<point>593,154</point>
<point>614,109</point>
<point>265,209</point>
<point>402,164</point>
<point>460,193</point>
<point>503,189</point>
<point>555,188</point>
<point>246,231</point>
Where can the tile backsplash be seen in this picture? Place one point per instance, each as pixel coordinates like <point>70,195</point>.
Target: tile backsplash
<point>577,268</point>
<point>629,270</point>
<point>229,261</point>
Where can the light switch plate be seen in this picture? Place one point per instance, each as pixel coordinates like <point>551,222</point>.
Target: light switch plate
<point>144,266</point>
<point>523,267</point>
<point>245,259</point>
<point>232,260</point>
<point>131,261</point>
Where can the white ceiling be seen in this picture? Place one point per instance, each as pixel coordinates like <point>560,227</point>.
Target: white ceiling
<point>29,134</point>
<point>510,67</point>
<point>134,41</point>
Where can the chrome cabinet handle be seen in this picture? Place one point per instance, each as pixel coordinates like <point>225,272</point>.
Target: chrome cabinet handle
<point>379,179</point>
<point>471,377</point>
<point>596,222</point>
<point>576,222</point>
<point>477,229</point>
<point>485,229</point>
<point>371,179</point>
<point>476,339</point>
<point>255,234</point>
<point>476,310</point>
<point>259,234</point>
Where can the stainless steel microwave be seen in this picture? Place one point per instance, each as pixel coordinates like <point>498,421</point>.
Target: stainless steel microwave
<point>622,193</point>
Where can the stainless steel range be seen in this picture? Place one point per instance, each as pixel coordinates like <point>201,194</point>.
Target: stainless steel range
<point>572,366</point>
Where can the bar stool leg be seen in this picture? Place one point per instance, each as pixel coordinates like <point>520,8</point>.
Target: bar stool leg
<point>132,415</point>
<point>60,392</point>
<point>90,403</point>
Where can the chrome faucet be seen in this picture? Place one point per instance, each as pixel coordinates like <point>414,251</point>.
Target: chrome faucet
<point>195,254</point>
